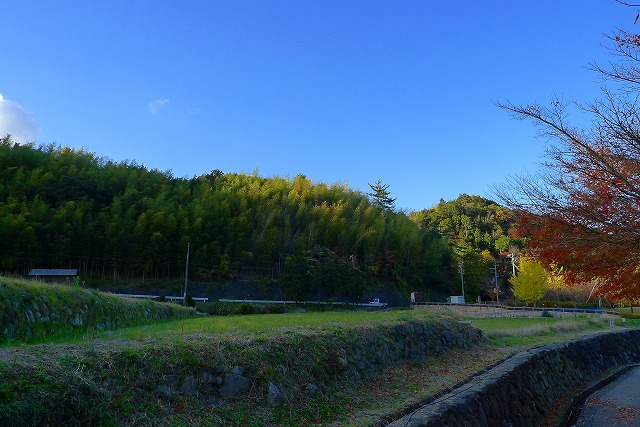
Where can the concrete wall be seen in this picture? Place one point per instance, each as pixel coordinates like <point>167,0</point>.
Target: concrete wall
<point>522,390</point>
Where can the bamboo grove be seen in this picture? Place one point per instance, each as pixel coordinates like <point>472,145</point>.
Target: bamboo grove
<point>119,222</point>
<point>65,208</point>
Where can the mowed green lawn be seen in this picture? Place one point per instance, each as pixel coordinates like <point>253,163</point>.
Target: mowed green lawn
<point>264,323</point>
<point>527,332</point>
<point>504,332</point>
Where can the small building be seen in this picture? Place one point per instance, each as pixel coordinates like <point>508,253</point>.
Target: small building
<point>53,275</point>
<point>417,297</point>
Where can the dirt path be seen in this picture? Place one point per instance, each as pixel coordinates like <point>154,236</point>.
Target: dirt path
<point>400,389</point>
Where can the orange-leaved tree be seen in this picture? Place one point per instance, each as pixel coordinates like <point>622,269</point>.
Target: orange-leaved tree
<point>582,212</point>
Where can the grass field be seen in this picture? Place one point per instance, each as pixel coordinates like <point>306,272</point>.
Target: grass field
<point>348,403</point>
<point>502,332</point>
<point>269,323</point>
<point>235,324</point>
<point>507,332</point>
<point>531,332</point>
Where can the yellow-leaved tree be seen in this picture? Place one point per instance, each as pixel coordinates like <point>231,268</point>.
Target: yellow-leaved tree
<point>530,283</point>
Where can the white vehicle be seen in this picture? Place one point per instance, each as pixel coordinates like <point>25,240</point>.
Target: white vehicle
<point>375,303</point>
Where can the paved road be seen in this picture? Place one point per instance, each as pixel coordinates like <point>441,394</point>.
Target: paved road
<point>617,404</point>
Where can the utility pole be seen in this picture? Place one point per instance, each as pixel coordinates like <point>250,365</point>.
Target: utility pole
<point>495,275</point>
<point>186,277</point>
<point>513,262</point>
<point>461,267</point>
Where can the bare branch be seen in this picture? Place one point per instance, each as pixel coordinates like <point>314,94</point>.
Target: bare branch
<point>583,209</point>
<point>627,4</point>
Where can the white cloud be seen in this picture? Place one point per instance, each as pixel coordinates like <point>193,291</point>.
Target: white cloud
<point>15,121</point>
<point>155,106</point>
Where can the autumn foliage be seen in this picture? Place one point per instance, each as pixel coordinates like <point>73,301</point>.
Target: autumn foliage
<point>530,283</point>
<point>583,211</point>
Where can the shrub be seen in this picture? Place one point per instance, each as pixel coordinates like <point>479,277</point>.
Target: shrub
<point>245,308</point>
<point>221,308</point>
<point>627,315</point>
<point>190,301</point>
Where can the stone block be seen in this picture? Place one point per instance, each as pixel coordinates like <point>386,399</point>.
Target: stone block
<point>234,385</point>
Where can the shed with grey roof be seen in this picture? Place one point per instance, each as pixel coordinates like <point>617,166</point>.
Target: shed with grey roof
<point>53,275</point>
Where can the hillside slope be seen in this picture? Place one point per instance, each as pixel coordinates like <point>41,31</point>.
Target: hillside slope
<point>30,311</point>
<point>121,222</point>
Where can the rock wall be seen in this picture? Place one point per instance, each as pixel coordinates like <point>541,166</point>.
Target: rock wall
<point>522,390</point>
<point>217,369</point>
<point>352,353</point>
<point>35,310</point>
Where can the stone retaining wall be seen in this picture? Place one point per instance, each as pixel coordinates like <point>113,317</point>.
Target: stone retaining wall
<point>35,310</point>
<point>353,353</point>
<point>522,390</point>
<point>81,384</point>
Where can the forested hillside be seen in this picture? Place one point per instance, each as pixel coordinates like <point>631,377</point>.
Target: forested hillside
<point>479,234</point>
<point>121,222</point>
<point>65,208</point>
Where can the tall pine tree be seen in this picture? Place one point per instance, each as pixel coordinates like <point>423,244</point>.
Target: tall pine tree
<point>380,196</point>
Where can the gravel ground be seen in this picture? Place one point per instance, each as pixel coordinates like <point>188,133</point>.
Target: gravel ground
<point>491,311</point>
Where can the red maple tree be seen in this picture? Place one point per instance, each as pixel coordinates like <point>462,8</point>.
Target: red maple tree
<point>582,211</point>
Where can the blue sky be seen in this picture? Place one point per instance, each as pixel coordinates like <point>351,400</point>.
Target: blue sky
<point>340,91</point>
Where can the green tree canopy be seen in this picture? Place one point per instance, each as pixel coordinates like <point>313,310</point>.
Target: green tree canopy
<point>119,221</point>
<point>477,230</point>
